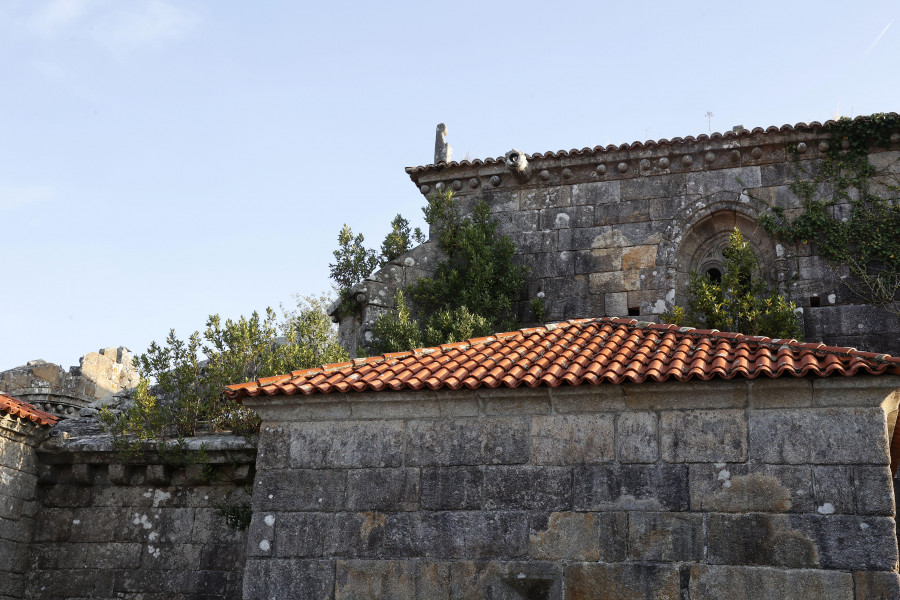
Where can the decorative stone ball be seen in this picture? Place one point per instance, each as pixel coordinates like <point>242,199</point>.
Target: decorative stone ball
<point>687,160</point>
<point>495,180</point>
<point>456,185</point>
<point>845,144</point>
<point>735,155</point>
<point>622,167</point>
<point>601,169</point>
<point>567,173</point>
<point>709,156</point>
<point>645,164</point>
<point>545,174</point>
<point>823,146</point>
<point>473,183</point>
<point>801,147</point>
<point>425,189</point>
<point>439,185</point>
<point>664,163</point>
<point>756,153</point>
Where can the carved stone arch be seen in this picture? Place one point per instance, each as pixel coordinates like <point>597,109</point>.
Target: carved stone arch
<point>697,235</point>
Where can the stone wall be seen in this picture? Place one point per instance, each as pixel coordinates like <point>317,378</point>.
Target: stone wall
<point>140,530</point>
<point>767,489</point>
<point>616,231</point>
<point>18,506</point>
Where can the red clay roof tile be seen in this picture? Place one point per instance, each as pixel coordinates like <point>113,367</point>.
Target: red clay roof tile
<point>23,410</point>
<point>584,351</point>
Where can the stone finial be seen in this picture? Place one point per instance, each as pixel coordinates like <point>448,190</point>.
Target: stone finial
<point>518,164</point>
<point>442,150</point>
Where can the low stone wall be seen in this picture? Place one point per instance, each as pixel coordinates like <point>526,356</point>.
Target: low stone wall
<point>18,506</point>
<point>732,489</point>
<point>144,530</point>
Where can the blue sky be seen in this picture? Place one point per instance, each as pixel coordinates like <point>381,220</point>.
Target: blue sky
<point>162,160</point>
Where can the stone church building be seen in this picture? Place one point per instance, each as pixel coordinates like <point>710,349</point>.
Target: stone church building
<point>616,231</point>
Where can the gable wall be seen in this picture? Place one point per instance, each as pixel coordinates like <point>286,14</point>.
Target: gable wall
<point>781,487</point>
<point>604,233</point>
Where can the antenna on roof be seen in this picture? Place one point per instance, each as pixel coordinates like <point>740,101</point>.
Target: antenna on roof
<point>442,150</point>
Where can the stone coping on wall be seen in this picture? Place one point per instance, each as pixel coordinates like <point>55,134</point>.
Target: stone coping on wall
<point>690,154</point>
<point>762,393</point>
<point>219,448</point>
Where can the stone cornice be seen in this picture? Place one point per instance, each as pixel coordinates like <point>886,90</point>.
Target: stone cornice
<point>639,159</point>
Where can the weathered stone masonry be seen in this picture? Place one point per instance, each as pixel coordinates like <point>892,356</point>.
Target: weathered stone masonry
<point>616,231</point>
<point>763,489</point>
<point>108,529</point>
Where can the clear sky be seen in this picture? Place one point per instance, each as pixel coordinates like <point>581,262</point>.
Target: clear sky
<point>162,160</point>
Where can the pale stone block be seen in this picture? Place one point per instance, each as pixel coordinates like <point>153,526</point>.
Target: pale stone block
<point>599,581</point>
<point>637,437</point>
<point>505,580</point>
<point>703,436</point>
<point>750,488</point>
<point>819,436</point>
<point>580,537</point>
<point>669,395</point>
<point>587,398</point>
<point>855,391</point>
<point>572,439</point>
<point>784,392</point>
<point>616,304</point>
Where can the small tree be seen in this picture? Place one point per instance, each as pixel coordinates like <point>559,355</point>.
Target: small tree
<point>740,302</point>
<point>399,240</point>
<point>182,381</point>
<point>472,291</point>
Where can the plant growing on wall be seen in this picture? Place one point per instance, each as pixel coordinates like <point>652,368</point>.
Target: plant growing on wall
<point>182,380</point>
<point>850,210</point>
<point>353,262</point>
<point>472,290</point>
<point>740,302</point>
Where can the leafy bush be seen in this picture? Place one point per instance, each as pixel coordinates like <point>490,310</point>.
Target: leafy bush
<point>741,302</point>
<point>189,376</point>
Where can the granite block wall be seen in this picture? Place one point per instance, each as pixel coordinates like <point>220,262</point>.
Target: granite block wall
<point>142,530</point>
<point>18,505</point>
<point>742,489</point>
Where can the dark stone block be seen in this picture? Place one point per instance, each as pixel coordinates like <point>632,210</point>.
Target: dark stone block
<point>528,488</point>
<point>467,442</point>
<point>452,488</point>
<point>281,578</point>
<point>631,487</point>
<point>382,489</point>
<point>299,489</point>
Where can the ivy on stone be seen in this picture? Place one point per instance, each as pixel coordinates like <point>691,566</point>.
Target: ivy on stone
<point>850,210</point>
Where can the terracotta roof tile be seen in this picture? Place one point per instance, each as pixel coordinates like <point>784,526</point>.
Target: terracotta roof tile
<point>23,410</point>
<point>585,351</point>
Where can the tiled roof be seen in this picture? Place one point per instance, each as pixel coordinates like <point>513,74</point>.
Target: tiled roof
<point>728,135</point>
<point>26,411</point>
<point>585,351</point>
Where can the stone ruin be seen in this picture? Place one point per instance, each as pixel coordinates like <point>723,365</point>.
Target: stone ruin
<point>102,377</point>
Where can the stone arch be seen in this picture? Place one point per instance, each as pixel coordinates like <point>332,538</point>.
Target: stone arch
<point>697,235</point>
